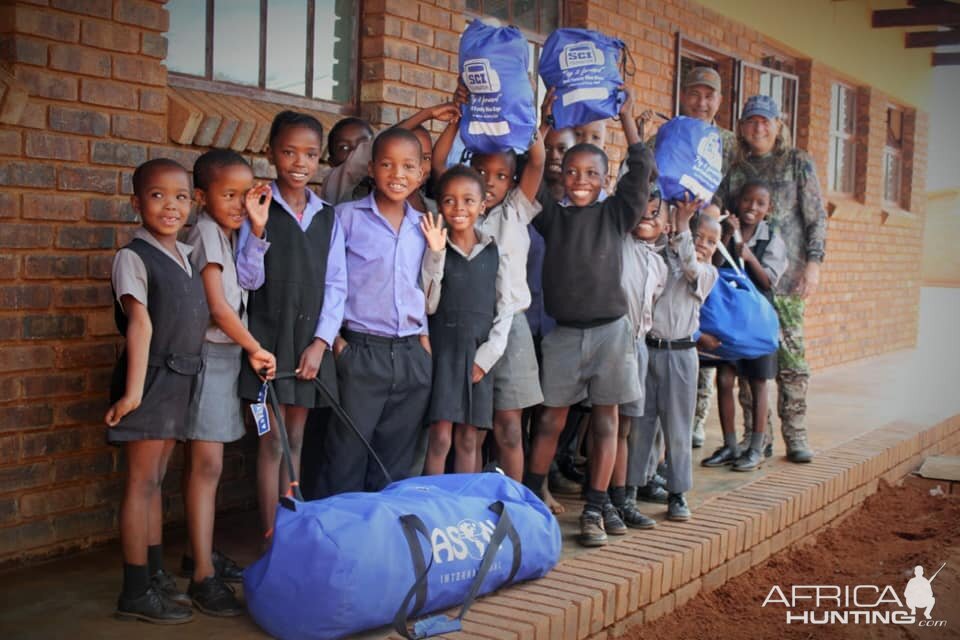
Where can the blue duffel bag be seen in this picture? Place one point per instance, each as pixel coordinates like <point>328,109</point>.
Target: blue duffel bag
<point>689,156</point>
<point>585,69</point>
<point>493,65</point>
<point>738,315</point>
<point>358,561</point>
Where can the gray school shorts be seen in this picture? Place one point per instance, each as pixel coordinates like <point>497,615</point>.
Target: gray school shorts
<point>516,377</point>
<point>598,364</point>
<point>634,409</point>
<point>215,407</point>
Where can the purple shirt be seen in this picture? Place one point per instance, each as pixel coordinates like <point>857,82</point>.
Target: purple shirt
<point>335,283</point>
<point>383,271</point>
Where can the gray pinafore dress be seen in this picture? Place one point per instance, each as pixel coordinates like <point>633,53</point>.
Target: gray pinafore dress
<point>283,313</point>
<point>180,316</point>
<point>461,323</point>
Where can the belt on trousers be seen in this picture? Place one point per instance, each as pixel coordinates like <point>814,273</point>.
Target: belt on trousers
<point>357,337</point>
<point>670,345</point>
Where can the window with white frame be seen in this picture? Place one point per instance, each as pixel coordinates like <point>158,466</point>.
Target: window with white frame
<point>301,48</point>
<point>843,109</point>
<point>893,158</point>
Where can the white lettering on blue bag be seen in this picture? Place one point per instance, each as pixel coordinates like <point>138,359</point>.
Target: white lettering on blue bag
<point>500,114</point>
<point>585,68</point>
<point>259,411</point>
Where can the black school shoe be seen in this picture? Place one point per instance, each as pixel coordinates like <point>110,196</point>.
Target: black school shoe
<point>677,509</point>
<point>632,517</point>
<point>591,529</point>
<point>215,598</point>
<point>167,587</point>
<point>749,460</point>
<point>226,568</point>
<point>153,607</point>
<point>722,456</point>
<point>652,493</point>
<point>612,523</point>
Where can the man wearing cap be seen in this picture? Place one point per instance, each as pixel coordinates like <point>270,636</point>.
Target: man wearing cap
<point>798,214</point>
<point>700,97</point>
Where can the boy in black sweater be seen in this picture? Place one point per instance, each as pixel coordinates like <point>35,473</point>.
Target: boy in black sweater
<point>590,355</point>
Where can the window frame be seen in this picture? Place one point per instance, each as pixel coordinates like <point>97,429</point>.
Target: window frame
<point>896,154</point>
<point>471,13</point>
<point>733,95</point>
<point>837,134</point>
<point>259,91</point>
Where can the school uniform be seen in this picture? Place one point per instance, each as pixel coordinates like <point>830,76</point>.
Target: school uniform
<point>590,355</point>
<point>384,372</point>
<point>215,412</point>
<point>516,378</point>
<point>172,292</point>
<point>302,297</point>
<point>671,389</point>
<point>466,305</point>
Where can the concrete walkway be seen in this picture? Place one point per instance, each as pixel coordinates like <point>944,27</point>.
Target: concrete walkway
<point>74,597</point>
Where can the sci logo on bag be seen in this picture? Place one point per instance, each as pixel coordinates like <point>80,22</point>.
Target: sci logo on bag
<point>480,77</point>
<point>580,54</point>
<point>467,539</point>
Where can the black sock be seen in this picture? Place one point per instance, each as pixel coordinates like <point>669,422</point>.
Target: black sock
<point>136,580</point>
<point>618,495</point>
<point>534,482</point>
<point>155,558</point>
<point>595,500</point>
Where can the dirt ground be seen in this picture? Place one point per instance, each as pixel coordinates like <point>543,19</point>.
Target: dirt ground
<point>896,529</point>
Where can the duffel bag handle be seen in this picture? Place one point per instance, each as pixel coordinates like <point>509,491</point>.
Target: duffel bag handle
<point>440,624</point>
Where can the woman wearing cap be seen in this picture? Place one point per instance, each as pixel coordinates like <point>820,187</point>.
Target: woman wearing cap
<point>798,214</point>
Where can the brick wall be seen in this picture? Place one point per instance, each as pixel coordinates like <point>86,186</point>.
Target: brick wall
<point>96,106</point>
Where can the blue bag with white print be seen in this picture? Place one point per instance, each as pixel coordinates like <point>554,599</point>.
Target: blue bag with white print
<point>358,561</point>
<point>500,114</point>
<point>689,155</point>
<point>586,70</point>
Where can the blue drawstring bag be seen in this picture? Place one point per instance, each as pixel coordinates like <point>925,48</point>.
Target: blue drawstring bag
<point>359,561</point>
<point>493,65</point>
<point>586,70</point>
<point>689,155</point>
<point>738,315</point>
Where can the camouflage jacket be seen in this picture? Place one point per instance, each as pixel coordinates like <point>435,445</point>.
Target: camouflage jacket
<point>797,211</point>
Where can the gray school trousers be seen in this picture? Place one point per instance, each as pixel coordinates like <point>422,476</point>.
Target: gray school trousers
<point>385,389</point>
<point>671,396</point>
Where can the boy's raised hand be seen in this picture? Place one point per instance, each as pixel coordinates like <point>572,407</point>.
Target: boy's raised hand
<point>446,112</point>
<point>686,209</point>
<point>461,95</point>
<point>546,109</point>
<point>433,231</point>
<point>257,203</point>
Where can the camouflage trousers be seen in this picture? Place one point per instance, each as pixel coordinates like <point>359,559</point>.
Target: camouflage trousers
<point>706,386</point>
<point>793,376</point>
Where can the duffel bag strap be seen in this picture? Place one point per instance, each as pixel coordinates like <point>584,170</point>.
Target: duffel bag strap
<point>440,624</point>
<point>413,525</point>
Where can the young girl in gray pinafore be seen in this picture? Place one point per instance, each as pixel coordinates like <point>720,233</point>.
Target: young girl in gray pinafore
<point>463,279</point>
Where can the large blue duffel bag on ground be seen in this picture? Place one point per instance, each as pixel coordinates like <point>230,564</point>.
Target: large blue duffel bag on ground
<point>359,561</point>
<point>493,65</point>
<point>584,67</point>
<point>689,155</point>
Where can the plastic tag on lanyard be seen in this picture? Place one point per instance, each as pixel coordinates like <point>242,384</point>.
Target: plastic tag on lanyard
<point>259,411</point>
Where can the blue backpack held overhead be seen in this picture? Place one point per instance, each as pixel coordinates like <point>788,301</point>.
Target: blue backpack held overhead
<point>739,316</point>
<point>359,561</point>
<point>586,69</point>
<point>689,155</point>
<point>493,65</point>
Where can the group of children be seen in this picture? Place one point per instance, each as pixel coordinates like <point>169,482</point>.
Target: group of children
<point>404,288</point>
